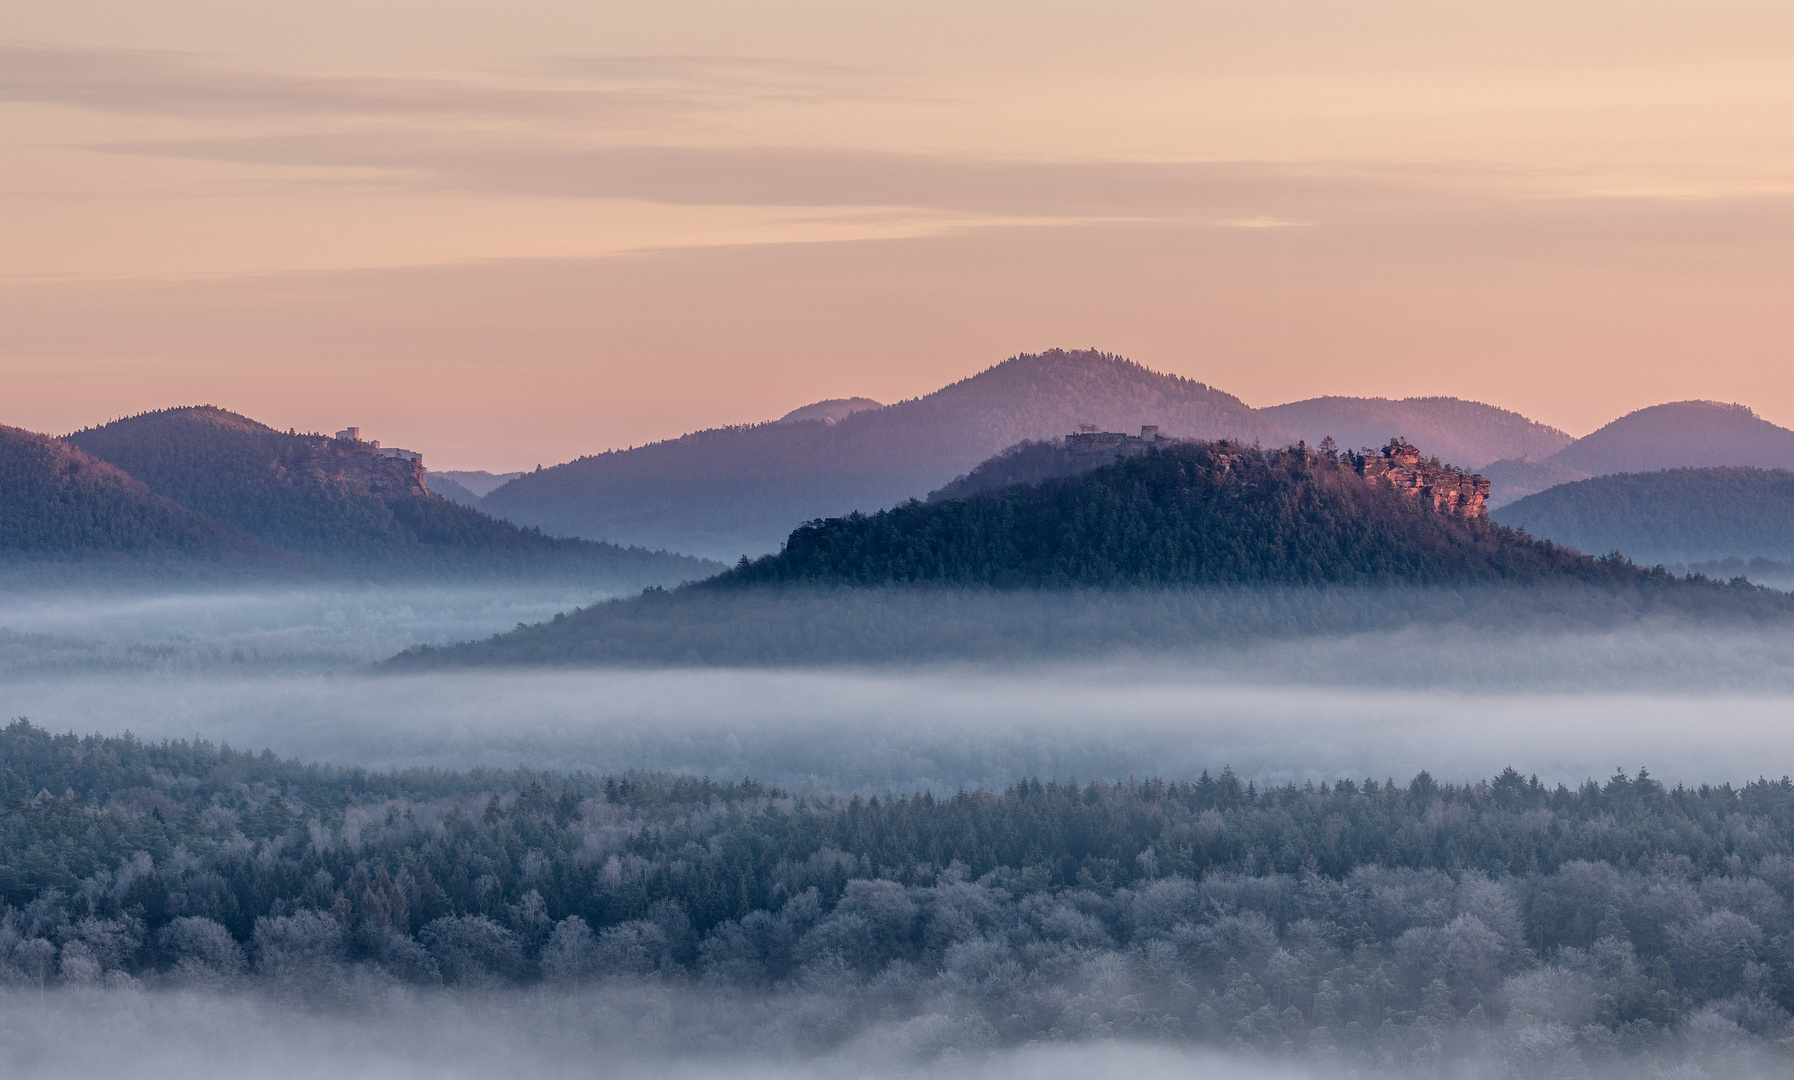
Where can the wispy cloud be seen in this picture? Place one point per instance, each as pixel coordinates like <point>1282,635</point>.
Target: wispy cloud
<point>1243,194</point>
<point>616,89</point>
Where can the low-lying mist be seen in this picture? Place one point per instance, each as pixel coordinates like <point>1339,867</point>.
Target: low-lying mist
<point>632,1030</point>
<point>293,670</point>
<point>318,628</point>
<point>288,671</point>
<point>643,1029</point>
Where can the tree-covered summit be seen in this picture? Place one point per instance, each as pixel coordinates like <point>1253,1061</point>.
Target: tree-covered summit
<point>58,502</point>
<point>340,502</point>
<point>1195,513</point>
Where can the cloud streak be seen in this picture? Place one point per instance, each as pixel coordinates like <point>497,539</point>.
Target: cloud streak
<point>606,90</point>
<point>1240,194</point>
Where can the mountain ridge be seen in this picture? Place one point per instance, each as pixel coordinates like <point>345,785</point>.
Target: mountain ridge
<point>1669,516</point>
<point>57,502</point>
<point>732,490</point>
<point>344,503</point>
<point>1470,433</point>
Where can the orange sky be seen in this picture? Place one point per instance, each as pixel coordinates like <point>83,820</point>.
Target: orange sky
<point>511,234</point>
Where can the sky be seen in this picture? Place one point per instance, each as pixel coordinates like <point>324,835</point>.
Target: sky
<point>510,234</point>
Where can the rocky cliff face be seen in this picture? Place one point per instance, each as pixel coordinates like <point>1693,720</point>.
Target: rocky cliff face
<point>1449,490</point>
<point>362,466</point>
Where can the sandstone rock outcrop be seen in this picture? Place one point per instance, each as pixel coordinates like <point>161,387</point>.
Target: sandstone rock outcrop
<point>1449,490</point>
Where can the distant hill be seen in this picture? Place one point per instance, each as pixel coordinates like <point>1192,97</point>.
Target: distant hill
<point>1682,434</point>
<point>1516,478</point>
<point>1200,513</point>
<point>452,490</point>
<point>1468,433</point>
<point>1676,516</point>
<point>344,504</point>
<point>1196,545</point>
<point>476,482</point>
<point>1034,461</point>
<point>728,491</point>
<point>831,411</point>
<point>58,502</point>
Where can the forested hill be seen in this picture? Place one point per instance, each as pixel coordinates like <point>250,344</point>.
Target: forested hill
<point>339,502</point>
<point>1672,516</point>
<point>735,490</point>
<point>57,502</point>
<point>1681,434</point>
<point>1193,514</point>
<point>1467,432</point>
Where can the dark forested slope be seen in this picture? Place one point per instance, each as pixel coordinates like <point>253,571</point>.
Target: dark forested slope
<point>1672,516</point>
<point>339,501</point>
<point>1467,432</point>
<point>1192,514</point>
<point>1193,546</point>
<point>57,502</point>
<point>738,490</point>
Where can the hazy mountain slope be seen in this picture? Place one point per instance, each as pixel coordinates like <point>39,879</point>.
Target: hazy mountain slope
<point>743,489</point>
<point>833,410</point>
<point>1516,478</point>
<point>342,503</point>
<point>1681,434</point>
<point>1673,516</point>
<point>1468,433</point>
<point>478,481</point>
<point>58,502</point>
<point>452,490</point>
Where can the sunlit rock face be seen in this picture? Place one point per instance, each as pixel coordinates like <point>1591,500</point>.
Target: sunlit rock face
<point>1450,490</point>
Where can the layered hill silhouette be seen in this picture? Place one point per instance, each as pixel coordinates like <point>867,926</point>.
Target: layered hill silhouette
<point>1191,543</point>
<point>729,491</point>
<point>830,411</point>
<point>1677,435</point>
<point>1673,516</point>
<point>59,503</point>
<point>1682,434</point>
<point>1467,432</point>
<point>1192,513</point>
<point>343,504</point>
<point>454,491</point>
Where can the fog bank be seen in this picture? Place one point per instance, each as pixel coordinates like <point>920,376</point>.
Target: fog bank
<point>400,1035</point>
<point>287,670</point>
<point>937,729</point>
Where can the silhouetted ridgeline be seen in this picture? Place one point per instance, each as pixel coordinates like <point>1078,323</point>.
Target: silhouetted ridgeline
<point>341,503</point>
<point>1355,919</point>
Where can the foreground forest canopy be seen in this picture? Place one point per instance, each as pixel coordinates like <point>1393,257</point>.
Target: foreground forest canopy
<point>1353,919</point>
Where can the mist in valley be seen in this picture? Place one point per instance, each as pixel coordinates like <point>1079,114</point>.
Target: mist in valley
<point>292,671</point>
<point>1247,974</point>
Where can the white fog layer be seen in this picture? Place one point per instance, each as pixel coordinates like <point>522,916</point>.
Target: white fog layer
<point>288,671</point>
<point>626,1035</point>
